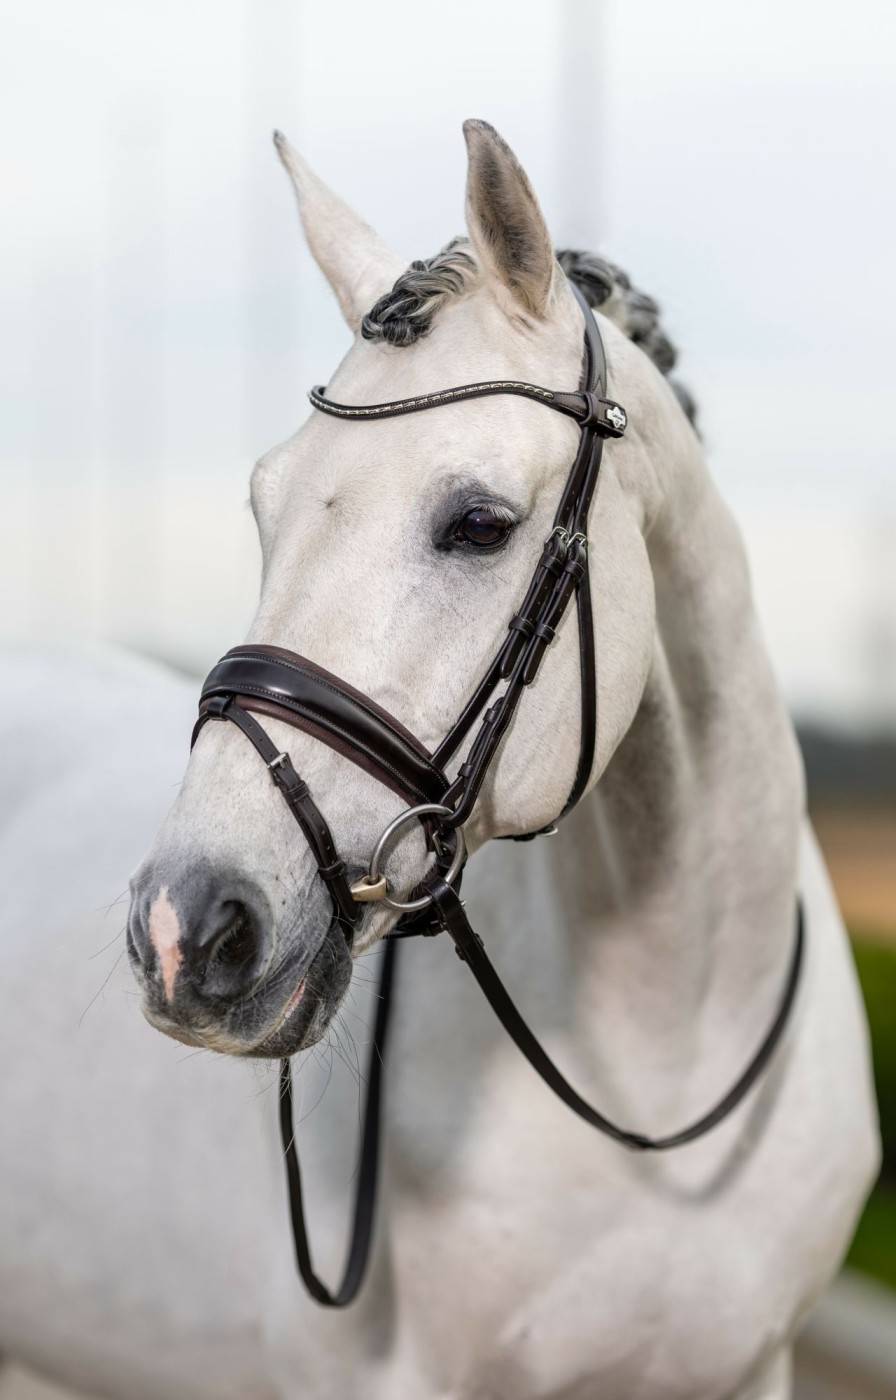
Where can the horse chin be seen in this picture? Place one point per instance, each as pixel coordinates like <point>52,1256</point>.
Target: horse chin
<point>289,1012</point>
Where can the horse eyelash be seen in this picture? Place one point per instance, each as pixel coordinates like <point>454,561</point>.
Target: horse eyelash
<point>496,508</point>
<point>445,541</point>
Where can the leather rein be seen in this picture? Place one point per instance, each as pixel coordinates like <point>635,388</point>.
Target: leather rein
<point>266,680</point>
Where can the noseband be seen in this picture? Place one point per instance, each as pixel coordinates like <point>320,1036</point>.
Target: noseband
<point>268,680</point>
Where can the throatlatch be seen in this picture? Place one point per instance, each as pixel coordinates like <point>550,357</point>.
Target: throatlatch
<point>265,680</point>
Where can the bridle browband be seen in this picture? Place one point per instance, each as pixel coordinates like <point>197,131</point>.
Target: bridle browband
<point>266,680</point>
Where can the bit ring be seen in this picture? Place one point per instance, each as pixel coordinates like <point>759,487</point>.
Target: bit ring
<point>374,875</point>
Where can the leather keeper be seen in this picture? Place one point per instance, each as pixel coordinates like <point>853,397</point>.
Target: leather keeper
<point>518,623</point>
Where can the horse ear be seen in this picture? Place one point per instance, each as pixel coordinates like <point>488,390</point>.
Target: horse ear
<point>355,261</point>
<point>506,226</point>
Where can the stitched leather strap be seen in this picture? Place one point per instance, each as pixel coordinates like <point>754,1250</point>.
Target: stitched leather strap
<point>585,406</point>
<point>471,950</point>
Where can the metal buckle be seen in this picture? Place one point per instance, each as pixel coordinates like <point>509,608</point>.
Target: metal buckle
<point>279,760</point>
<point>373,887</point>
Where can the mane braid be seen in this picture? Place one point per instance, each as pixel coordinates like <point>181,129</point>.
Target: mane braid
<point>605,285</point>
<point>407,312</point>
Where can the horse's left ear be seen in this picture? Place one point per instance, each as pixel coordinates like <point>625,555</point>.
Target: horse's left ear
<point>506,225</point>
<point>355,261</point>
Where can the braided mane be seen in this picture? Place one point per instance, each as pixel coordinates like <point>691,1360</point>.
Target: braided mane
<point>408,310</point>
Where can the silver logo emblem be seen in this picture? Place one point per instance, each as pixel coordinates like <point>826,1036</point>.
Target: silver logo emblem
<point>617,417</point>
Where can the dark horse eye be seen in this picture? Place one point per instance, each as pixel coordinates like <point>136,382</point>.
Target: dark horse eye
<point>482,528</point>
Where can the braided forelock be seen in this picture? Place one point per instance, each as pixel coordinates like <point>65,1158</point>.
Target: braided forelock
<point>407,312</point>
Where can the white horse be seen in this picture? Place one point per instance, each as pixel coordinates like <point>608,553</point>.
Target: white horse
<point>518,1254</point>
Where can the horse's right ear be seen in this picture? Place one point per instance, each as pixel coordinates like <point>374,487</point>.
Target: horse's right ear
<point>355,261</point>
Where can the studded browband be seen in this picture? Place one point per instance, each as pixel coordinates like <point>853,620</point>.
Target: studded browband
<point>586,407</point>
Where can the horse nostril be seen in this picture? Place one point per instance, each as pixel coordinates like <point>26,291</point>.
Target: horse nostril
<point>237,942</point>
<point>231,957</point>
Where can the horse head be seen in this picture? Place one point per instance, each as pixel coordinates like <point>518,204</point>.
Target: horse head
<point>395,551</point>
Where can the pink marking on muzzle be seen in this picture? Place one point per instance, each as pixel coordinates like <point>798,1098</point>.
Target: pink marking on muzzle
<point>294,1000</point>
<point>164,935</point>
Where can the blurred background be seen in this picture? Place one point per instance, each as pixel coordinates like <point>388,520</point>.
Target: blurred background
<point>162,320</point>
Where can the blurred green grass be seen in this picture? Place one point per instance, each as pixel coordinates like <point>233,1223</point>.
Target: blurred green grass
<point>873,1250</point>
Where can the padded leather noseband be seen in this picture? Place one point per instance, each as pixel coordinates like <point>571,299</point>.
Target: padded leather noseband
<point>276,682</point>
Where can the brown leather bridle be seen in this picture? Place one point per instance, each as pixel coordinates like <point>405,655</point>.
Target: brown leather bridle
<point>267,680</point>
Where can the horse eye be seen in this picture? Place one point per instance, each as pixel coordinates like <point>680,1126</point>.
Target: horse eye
<point>482,528</point>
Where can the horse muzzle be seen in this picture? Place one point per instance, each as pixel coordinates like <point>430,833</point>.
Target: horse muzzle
<point>218,971</point>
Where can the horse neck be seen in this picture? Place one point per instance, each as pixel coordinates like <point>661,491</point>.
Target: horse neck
<point>679,872</point>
